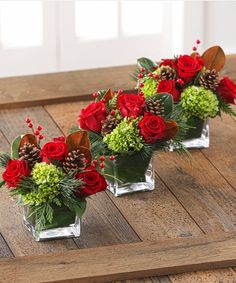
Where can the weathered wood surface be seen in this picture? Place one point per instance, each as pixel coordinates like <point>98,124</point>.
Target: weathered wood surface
<point>131,261</point>
<point>72,86</point>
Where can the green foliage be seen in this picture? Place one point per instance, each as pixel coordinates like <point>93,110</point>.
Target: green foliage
<point>4,158</point>
<point>225,107</point>
<point>147,64</point>
<point>2,183</point>
<point>150,86</point>
<point>199,102</point>
<point>112,103</point>
<point>25,186</point>
<point>15,147</point>
<point>101,94</point>
<point>125,137</point>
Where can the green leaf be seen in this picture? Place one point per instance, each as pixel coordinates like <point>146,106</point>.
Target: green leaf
<point>147,64</point>
<point>4,158</point>
<point>166,102</point>
<point>2,183</point>
<point>15,147</point>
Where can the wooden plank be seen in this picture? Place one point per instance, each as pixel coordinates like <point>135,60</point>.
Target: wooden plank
<point>72,86</point>
<point>102,224</point>
<point>4,249</point>
<point>60,87</point>
<point>124,261</point>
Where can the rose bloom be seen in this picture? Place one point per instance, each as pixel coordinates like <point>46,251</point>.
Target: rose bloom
<point>131,105</point>
<point>169,87</point>
<point>91,117</point>
<point>152,128</point>
<point>59,139</point>
<point>227,90</point>
<point>188,67</point>
<point>14,172</point>
<point>94,182</point>
<point>54,150</point>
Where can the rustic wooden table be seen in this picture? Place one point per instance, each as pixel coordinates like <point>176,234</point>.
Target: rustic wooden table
<point>191,198</point>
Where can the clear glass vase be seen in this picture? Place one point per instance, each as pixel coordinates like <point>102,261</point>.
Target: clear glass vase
<point>65,224</point>
<point>199,135</point>
<point>129,173</point>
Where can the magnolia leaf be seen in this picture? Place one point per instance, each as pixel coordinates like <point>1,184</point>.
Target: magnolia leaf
<point>146,63</point>
<point>78,139</point>
<point>109,95</point>
<point>28,138</point>
<point>15,147</point>
<point>86,152</point>
<point>166,102</point>
<point>171,129</point>
<point>214,58</point>
<point>194,55</point>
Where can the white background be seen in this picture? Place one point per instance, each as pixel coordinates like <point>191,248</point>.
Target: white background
<point>51,36</point>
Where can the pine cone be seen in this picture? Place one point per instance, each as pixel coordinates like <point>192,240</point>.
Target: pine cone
<point>154,106</point>
<point>167,73</point>
<point>74,161</point>
<point>109,124</point>
<point>209,79</point>
<point>30,153</point>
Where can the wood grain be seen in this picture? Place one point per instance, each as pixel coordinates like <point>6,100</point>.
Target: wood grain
<point>123,261</point>
<point>72,86</point>
<point>4,249</point>
<point>102,224</point>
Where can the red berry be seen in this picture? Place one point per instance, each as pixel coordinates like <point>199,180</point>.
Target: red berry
<point>93,164</point>
<point>150,75</point>
<point>194,48</point>
<point>94,161</point>
<point>141,85</point>
<point>41,137</point>
<point>120,91</point>
<point>102,158</point>
<point>30,125</point>
<point>198,41</point>
<point>36,132</point>
<point>95,94</point>
<point>102,100</point>
<point>142,70</point>
<point>39,128</point>
<point>113,112</point>
<point>140,75</point>
<point>101,165</point>
<point>27,120</point>
<point>112,157</point>
<point>141,93</point>
<point>180,81</point>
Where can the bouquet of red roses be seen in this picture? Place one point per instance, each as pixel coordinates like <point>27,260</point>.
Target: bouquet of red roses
<point>52,182</point>
<point>194,83</point>
<point>125,129</point>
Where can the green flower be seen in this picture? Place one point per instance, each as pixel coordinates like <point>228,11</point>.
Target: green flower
<point>199,102</point>
<point>150,87</point>
<point>47,178</point>
<point>125,137</point>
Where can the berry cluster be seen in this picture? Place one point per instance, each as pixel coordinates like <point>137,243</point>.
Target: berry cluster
<point>36,131</point>
<point>101,163</point>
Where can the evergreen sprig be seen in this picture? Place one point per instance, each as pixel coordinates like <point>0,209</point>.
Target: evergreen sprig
<point>24,186</point>
<point>225,107</point>
<point>4,158</point>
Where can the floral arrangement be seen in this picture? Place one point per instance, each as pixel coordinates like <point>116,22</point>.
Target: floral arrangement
<point>56,177</point>
<point>192,80</point>
<point>126,128</point>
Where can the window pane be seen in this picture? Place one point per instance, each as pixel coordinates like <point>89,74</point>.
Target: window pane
<point>141,17</point>
<point>21,23</point>
<point>96,19</point>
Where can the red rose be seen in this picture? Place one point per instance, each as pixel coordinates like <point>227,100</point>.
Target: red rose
<point>59,139</point>
<point>188,67</point>
<point>131,105</point>
<point>15,171</point>
<point>94,182</point>
<point>227,90</point>
<point>152,127</point>
<point>91,117</point>
<point>168,62</point>
<point>54,150</point>
<point>169,86</point>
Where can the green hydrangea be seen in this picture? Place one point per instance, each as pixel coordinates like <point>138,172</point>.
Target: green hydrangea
<point>47,178</point>
<point>125,137</point>
<point>150,87</point>
<point>199,102</point>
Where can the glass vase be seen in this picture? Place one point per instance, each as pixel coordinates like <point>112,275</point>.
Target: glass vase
<point>129,173</point>
<point>65,224</point>
<point>199,135</point>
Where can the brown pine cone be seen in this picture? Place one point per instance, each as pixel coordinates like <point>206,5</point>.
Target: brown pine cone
<point>74,161</point>
<point>30,153</point>
<point>109,124</point>
<point>167,73</point>
<point>209,79</point>
<point>154,106</point>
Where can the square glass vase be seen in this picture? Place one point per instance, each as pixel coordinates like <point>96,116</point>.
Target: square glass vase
<point>199,135</point>
<point>129,174</point>
<point>65,224</point>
